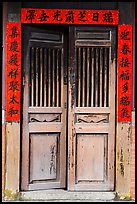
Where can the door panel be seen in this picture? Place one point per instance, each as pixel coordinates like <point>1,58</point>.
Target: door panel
<point>92,108</point>
<point>86,144</point>
<point>86,140</point>
<point>44,115</point>
<point>39,157</point>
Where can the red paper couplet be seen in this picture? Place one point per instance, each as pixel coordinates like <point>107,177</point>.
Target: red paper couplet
<point>13,72</point>
<point>124,73</point>
<point>69,16</point>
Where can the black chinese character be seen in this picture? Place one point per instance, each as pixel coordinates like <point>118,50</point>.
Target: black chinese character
<point>125,49</point>
<point>124,35</point>
<point>13,99</point>
<point>43,16</point>
<point>125,87</point>
<point>12,111</point>
<point>124,101</point>
<point>13,60</point>
<point>13,73</point>
<point>108,17</point>
<point>124,113</point>
<point>95,16</point>
<point>14,86</point>
<point>14,33</point>
<point>70,16</point>
<point>56,16</point>
<point>82,15</point>
<point>30,15</point>
<point>124,62</point>
<point>125,75</point>
<point>14,46</point>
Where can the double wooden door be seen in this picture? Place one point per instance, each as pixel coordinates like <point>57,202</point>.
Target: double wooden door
<point>68,120</point>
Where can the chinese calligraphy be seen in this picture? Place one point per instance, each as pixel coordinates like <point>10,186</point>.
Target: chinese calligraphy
<point>43,17</point>
<point>13,71</point>
<point>57,15</point>
<point>82,16</point>
<point>108,17</point>
<point>124,35</point>
<point>125,73</point>
<point>71,16</point>
<point>30,15</point>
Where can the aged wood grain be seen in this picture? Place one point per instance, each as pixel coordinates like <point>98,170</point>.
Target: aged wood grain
<point>90,151</point>
<point>123,158</point>
<point>12,156</point>
<point>43,161</point>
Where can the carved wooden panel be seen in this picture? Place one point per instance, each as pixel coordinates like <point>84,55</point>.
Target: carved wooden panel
<point>44,118</point>
<point>43,157</point>
<point>92,118</point>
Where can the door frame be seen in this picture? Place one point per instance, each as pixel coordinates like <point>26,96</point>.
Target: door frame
<point>121,143</point>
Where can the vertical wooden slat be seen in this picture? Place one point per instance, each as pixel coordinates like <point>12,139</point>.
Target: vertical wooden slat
<point>92,78</point>
<point>57,78</point>
<point>45,76</point>
<point>61,70</point>
<point>37,67</point>
<point>101,61</point>
<point>41,73</point>
<point>60,76</point>
<point>83,78</point>
<point>32,76</point>
<point>49,75</point>
<point>79,75</point>
<point>88,58</point>
<point>105,76</point>
<point>53,79</point>
<point>96,80</point>
<point>108,59</point>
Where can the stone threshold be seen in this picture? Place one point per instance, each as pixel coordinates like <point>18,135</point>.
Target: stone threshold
<point>64,195</point>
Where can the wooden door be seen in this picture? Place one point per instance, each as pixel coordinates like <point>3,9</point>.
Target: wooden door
<point>44,114</point>
<point>91,113</point>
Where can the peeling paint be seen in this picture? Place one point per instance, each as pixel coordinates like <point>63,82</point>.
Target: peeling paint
<point>129,132</point>
<point>121,162</point>
<point>52,161</point>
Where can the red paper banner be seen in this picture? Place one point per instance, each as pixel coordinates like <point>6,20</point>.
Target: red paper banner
<point>124,73</point>
<point>69,16</point>
<point>13,72</point>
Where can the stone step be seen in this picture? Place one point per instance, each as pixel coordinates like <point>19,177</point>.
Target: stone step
<point>58,195</point>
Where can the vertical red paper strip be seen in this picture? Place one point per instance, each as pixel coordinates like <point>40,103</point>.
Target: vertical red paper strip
<point>69,16</point>
<point>13,71</point>
<point>124,73</point>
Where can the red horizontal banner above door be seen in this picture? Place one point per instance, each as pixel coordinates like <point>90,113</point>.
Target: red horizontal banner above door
<point>70,16</point>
